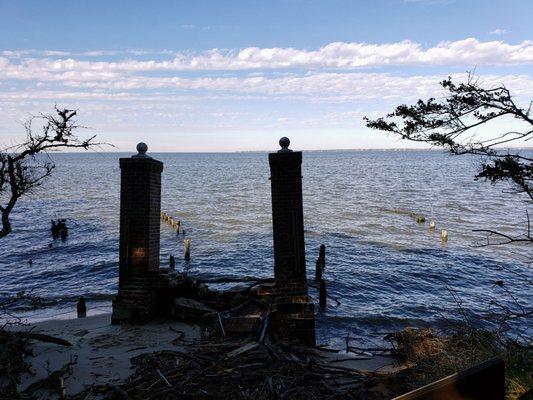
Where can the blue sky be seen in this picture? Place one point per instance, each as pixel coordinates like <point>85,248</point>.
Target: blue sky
<point>237,75</point>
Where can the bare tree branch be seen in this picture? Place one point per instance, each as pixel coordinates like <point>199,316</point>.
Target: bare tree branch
<point>451,123</point>
<point>25,166</point>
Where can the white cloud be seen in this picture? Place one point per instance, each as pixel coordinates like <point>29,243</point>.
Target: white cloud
<point>339,55</point>
<point>330,86</point>
<point>498,31</point>
<point>322,86</point>
<point>429,2</point>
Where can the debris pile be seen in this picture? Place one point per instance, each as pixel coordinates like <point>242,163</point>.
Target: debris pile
<point>242,369</point>
<point>12,363</point>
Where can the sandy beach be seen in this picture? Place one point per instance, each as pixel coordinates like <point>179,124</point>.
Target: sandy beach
<point>101,351</point>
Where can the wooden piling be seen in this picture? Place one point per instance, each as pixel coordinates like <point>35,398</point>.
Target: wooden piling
<point>81,307</point>
<point>443,235</point>
<point>323,294</point>
<point>187,249</point>
<point>320,263</point>
<point>318,271</point>
<point>322,255</point>
<point>172,262</point>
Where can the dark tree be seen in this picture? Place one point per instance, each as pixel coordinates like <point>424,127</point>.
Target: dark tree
<point>452,121</point>
<point>24,167</point>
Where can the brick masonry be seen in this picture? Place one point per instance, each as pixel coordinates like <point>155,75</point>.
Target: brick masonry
<point>140,208</point>
<point>294,311</point>
<point>288,224</point>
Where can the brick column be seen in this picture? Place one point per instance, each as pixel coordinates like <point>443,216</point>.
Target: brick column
<point>140,208</point>
<point>294,311</point>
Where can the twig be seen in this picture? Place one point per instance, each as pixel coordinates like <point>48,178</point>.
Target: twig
<point>163,377</point>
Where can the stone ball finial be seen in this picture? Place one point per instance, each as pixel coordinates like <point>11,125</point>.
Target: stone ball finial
<point>284,142</point>
<point>142,148</point>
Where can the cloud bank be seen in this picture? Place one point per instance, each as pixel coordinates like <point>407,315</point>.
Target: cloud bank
<point>249,88</point>
<point>338,55</point>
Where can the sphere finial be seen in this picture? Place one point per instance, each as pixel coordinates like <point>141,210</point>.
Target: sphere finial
<point>142,148</point>
<point>284,142</point>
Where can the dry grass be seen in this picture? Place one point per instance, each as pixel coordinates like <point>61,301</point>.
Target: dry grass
<point>432,355</point>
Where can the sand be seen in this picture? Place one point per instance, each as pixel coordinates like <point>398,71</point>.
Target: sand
<point>102,351</point>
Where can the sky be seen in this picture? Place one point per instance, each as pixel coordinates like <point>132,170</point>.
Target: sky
<point>238,75</point>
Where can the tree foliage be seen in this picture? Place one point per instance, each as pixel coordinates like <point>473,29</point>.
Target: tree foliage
<point>25,166</point>
<point>452,122</point>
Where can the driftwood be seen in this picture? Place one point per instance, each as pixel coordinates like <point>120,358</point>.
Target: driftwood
<point>41,337</point>
<point>227,279</point>
<point>53,382</point>
<point>240,369</point>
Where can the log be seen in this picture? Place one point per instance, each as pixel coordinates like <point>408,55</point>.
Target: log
<point>242,349</point>
<point>41,337</point>
<point>236,279</point>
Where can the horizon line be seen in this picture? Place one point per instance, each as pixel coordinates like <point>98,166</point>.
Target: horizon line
<point>275,150</point>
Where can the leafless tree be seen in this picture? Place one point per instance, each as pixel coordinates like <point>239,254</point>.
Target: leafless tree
<point>25,166</point>
<point>451,123</point>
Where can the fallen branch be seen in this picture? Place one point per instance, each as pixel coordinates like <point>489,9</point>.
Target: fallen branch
<point>237,369</point>
<point>35,336</point>
<point>53,381</point>
<point>229,279</point>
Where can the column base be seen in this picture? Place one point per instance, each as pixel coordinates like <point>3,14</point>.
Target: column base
<point>135,303</point>
<point>295,320</point>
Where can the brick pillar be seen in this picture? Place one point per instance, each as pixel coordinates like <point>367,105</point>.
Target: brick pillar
<point>294,311</point>
<point>140,208</point>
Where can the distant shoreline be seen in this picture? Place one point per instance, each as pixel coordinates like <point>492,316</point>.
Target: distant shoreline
<point>271,150</point>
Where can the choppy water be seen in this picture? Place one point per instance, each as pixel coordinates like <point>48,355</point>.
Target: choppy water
<point>387,270</point>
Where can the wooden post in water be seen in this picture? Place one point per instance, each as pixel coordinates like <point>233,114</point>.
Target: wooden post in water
<point>320,263</point>
<point>187,249</point>
<point>178,227</point>
<point>323,294</point>
<point>172,262</point>
<point>81,308</point>
<point>318,271</point>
